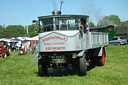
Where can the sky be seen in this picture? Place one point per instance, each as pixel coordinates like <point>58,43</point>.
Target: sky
<point>22,12</point>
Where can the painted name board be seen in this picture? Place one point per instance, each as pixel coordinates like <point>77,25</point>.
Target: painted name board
<point>54,37</point>
<point>57,43</point>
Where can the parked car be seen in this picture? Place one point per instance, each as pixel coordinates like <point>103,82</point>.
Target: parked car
<point>118,41</point>
<point>127,40</point>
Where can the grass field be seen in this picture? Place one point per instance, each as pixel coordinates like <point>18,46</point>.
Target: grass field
<point>22,70</point>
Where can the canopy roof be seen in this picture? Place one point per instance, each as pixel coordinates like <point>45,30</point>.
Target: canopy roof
<point>98,28</point>
<point>15,40</point>
<point>62,16</point>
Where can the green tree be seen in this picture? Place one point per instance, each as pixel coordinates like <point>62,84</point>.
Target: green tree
<point>13,31</point>
<point>109,20</point>
<point>125,23</point>
<point>1,27</point>
<point>3,33</point>
<point>32,30</point>
<point>91,24</point>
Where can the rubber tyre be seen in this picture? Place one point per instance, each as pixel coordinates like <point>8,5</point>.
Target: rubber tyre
<point>101,61</point>
<point>4,55</point>
<point>82,65</point>
<point>42,69</point>
<point>9,52</point>
<point>118,43</point>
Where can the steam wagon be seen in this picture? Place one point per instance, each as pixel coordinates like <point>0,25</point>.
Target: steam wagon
<point>62,41</point>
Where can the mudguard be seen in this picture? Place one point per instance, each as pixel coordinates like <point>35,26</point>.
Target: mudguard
<point>98,51</point>
<point>80,54</point>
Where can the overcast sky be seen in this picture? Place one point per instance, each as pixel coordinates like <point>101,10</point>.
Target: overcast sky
<point>22,12</point>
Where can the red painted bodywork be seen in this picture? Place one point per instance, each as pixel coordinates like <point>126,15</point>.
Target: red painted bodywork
<point>2,49</point>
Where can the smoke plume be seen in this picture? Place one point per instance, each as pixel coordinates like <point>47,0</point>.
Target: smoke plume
<point>54,4</point>
<point>89,8</point>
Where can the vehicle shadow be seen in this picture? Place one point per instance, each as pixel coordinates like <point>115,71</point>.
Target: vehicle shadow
<point>62,72</point>
<point>69,71</point>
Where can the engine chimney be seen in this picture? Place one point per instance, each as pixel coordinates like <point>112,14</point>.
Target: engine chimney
<point>56,12</point>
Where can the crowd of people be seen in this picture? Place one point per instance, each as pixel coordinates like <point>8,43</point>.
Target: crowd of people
<point>17,46</point>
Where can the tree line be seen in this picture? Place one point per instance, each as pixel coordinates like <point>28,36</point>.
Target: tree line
<point>18,31</point>
<point>21,31</point>
<point>109,20</point>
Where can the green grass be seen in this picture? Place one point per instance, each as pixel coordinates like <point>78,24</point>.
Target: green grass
<point>23,70</point>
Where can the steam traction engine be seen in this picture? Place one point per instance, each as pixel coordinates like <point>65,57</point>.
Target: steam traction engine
<point>4,49</point>
<point>61,42</point>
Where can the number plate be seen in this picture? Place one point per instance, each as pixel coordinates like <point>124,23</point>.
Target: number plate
<point>56,57</point>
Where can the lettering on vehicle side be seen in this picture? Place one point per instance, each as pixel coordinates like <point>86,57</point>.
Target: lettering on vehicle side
<point>53,38</point>
<point>55,43</point>
<point>55,48</point>
<point>77,47</point>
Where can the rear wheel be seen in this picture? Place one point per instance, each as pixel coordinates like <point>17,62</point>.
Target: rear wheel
<point>82,65</point>
<point>118,43</point>
<point>101,60</point>
<point>42,69</point>
<point>9,52</point>
<point>4,55</point>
